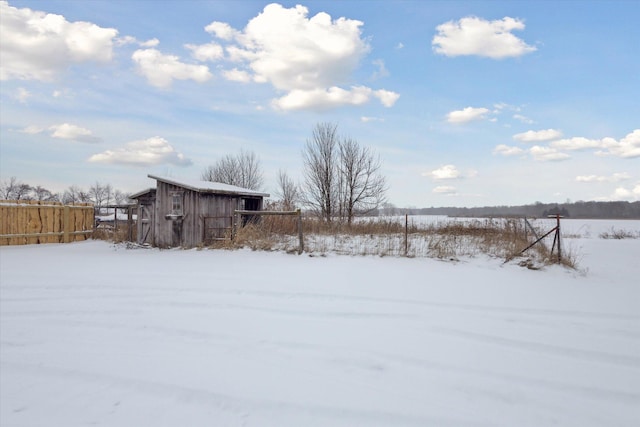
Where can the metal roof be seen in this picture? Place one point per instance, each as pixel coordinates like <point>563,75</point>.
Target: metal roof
<point>209,187</point>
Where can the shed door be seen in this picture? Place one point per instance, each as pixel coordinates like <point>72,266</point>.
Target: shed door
<point>146,228</point>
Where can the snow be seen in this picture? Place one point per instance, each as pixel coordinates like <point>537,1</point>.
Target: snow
<point>93,333</point>
<point>216,187</point>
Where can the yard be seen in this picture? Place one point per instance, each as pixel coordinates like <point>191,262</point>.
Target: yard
<point>94,333</point>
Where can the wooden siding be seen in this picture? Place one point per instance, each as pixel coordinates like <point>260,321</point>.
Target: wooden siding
<point>146,218</point>
<point>188,230</point>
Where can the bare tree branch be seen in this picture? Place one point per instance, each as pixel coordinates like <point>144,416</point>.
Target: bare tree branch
<point>363,187</point>
<point>288,191</point>
<point>242,170</point>
<point>320,158</point>
<point>342,178</point>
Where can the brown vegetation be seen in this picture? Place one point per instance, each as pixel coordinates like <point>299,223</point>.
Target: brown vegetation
<point>387,236</point>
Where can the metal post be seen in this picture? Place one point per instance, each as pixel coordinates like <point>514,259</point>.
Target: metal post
<point>558,234</point>
<point>406,235</point>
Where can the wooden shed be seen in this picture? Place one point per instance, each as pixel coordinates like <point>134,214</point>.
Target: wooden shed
<point>186,213</point>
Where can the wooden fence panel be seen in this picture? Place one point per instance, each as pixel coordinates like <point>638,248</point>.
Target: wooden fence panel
<point>32,222</point>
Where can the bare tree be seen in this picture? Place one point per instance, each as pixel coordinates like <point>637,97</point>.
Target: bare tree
<point>42,194</point>
<point>120,198</point>
<point>100,195</point>
<point>288,191</point>
<point>362,188</point>
<point>242,170</point>
<point>75,194</point>
<point>15,190</point>
<point>320,158</point>
<point>342,178</point>
<point>7,188</point>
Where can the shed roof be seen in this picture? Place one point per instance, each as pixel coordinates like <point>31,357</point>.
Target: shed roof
<point>209,187</point>
<point>142,193</point>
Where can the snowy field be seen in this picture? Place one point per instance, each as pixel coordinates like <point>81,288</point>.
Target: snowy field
<point>96,334</point>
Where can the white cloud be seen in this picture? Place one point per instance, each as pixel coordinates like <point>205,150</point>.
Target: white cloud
<point>122,41</point>
<point>308,58</point>
<point>237,75</point>
<point>22,95</point>
<point>73,133</point>
<point>546,154</point>
<point>506,150</point>
<point>366,119</point>
<point>386,97</point>
<point>537,136</point>
<point>616,177</point>
<point>628,147</point>
<point>466,115</point>
<point>445,172</point>
<point>625,194</point>
<point>150,43</point>
<point>324,99</point>
<point>206,52</point>
<point>160,69</point>
<point>523,119</point>
<point>381,71</point>
<point>222,30</point>
<point>576,143</point>
<point>445,189</point>
<point>32,130</point>
<point>37,45</point>
<point>147,152</point>
<point>400,45</point>
<point>476,36</point>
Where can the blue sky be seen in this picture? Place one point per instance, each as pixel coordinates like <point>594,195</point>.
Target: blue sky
<point>466,103</point>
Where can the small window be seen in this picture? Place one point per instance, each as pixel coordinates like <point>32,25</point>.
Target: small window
<point>176,203</point>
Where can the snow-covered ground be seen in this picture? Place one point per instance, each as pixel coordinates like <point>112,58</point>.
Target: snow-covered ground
<point>97,334</point>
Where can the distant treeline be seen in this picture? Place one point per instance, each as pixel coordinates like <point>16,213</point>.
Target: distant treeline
<point>595,210</point>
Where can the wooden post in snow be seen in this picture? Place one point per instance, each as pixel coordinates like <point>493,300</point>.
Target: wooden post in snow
<point>130,223</point>
<point>300,236</point>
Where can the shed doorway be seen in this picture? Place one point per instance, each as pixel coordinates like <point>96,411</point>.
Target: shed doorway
<point>146,221</point>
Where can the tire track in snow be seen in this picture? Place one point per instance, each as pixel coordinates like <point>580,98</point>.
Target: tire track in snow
<point>242,407</point>
<point>465,307</point>
<point>586,355</point>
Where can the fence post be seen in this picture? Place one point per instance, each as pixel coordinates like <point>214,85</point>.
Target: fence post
<point>300,236</point>
<point>66,214</point>
<point>406,235</point>
<point>236,219</point>
<point>130,223</point>
<point>558,234</point>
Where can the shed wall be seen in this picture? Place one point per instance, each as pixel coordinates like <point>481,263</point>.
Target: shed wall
<point>188,230</point>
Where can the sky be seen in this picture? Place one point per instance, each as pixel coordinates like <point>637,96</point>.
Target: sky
<point>475,103</point>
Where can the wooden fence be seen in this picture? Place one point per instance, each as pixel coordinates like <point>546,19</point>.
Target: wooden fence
<point>25,222</point>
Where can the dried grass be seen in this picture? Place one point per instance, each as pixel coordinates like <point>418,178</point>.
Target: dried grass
<point>446,240</point>
<point>109,233</point>
<point>449,239</point>
<point>619,234</point>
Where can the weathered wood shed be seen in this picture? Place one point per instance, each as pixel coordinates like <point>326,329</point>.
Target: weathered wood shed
<point>189,213</point>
